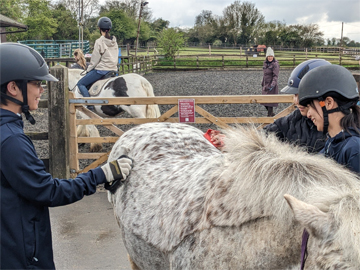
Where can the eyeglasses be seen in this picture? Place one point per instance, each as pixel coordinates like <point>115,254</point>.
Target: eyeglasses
<point>36,83</point>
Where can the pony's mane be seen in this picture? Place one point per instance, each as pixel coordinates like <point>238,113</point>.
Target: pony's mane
<point>259,170</point>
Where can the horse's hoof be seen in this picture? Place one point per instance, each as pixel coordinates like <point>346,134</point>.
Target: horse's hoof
<point>96,147</point>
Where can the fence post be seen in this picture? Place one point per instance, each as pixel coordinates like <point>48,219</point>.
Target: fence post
<point>129,64</point>
<point>59,127</point>
<point>340,59</point>
<point>247,59</point>
<point>209,49</point>
<point>174,62</point>
<point>294,61</point>
<point>223,63</point>
<point>197,61</point>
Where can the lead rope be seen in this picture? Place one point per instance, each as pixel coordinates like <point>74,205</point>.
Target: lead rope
<point>305,238</point>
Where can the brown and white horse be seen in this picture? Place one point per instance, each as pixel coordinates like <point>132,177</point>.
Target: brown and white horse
<point>187,205</point>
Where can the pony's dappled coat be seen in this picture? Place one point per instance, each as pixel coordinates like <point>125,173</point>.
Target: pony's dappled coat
<point>193,207</point>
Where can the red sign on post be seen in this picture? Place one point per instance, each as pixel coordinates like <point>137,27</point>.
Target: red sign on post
<point>186,110</point>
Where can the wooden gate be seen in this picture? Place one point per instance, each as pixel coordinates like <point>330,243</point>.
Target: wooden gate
<point>68,136</point>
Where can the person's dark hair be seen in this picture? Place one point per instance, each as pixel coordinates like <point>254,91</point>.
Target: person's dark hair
<point>351,111</point>
<point>107,35</point>
<point>3,100</point>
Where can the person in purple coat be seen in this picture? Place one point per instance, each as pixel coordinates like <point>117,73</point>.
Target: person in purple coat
<point>270,79</point>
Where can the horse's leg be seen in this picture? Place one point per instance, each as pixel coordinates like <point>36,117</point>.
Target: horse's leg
<point>90,131</point>
<point>136,111</point>
<point>132,264</point>
<point>94,132</point>
<point>82,131</point>
<point>152,111</point>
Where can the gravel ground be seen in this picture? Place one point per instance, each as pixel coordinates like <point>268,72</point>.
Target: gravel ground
<point>186,83</point>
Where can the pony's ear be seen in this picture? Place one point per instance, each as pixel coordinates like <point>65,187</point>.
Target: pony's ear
<point>315,221</point>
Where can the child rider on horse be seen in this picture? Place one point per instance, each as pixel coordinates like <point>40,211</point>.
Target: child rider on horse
<point>104,58</point>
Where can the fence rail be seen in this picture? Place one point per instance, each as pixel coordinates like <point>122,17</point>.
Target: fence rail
<point>242,61</point>
<point>203,117</point>
<point>146,63</point>
<point>56,48</point>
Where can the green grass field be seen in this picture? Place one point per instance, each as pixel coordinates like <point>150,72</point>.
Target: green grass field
<point>218,58</point>
<point>200,58</point>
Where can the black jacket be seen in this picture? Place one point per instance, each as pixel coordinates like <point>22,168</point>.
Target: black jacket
<point>345,149</point>
<point>27,191</point>
<point>298,130</point>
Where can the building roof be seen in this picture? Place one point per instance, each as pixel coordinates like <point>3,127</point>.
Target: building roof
<point>7,22</point>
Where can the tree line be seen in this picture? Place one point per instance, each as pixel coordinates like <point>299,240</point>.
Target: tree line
<point>241,23</point>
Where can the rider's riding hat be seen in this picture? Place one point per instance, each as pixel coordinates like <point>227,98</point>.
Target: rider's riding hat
<point>104,23</point>
<point>299,72</point>
<point>330,80</point>
<point>22,63</point>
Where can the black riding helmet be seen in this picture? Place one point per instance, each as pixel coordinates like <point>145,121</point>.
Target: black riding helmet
<point>331,80</point>
<point>299,72</point>
<point>104,23</point>
<point>322,80</point>
<point>22,63</point>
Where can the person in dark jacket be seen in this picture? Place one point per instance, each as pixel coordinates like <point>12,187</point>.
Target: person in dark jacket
<point>296,128</point>
<point>27,190</point>
<point>331,94</point>
<point>269,82</point>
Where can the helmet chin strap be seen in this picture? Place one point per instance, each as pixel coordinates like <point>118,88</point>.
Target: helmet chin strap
<point>344,109</point>
<point>325,115</point>
<point>24,105</point>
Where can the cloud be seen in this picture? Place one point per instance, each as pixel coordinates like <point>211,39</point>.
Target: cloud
<point>328,14</point>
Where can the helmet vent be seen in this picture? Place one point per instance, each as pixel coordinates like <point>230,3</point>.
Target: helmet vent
<point>37,57</point>
<point>303,72</point>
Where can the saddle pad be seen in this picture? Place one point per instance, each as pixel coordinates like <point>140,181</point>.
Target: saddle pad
<point>97,87</point>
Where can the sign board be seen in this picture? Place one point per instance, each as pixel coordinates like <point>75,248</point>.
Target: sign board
<point>186,110</point>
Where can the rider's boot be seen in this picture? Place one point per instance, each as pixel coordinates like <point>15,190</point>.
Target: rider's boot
<point>91,107</point>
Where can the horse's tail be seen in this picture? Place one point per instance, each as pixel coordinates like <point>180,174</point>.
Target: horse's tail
<point>152,111</point>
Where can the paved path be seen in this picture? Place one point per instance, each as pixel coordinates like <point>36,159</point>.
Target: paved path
<point>86,235</point>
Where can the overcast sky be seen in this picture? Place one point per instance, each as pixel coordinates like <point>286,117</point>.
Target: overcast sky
<point>328,14</point>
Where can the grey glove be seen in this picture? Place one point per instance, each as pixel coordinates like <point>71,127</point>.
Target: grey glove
<point>270,89</point>
<point>117,169</point>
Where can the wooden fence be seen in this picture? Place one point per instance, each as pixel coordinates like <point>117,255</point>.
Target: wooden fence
<point>146,63</point>
<point>128,64</point>
<point>63,144</point>
<point>235,61</point>
<point>63,141</point>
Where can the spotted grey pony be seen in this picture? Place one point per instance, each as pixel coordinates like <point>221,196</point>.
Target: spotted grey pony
<point>187,205</point>
<point>128,85</point>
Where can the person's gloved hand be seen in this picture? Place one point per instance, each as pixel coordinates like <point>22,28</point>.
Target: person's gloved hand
<point>270,89</point>
<point>117,169</point>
